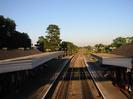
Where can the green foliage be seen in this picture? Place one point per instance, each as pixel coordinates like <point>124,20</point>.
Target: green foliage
<point>116,43</point>
<point>7,26</point>
<point>88,47</point>
<point>99,47</point>
<point>68,47</point>
<point>53,37</point>
<point>51,42</point>
<point>119,41</point>
<point>11,38</point>
<point>42,43</point>
<point>129,39</point>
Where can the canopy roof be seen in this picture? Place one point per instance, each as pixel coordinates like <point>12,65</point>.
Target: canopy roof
<point>113,59</point>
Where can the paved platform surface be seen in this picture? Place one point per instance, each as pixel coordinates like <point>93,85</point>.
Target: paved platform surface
<point>106,87</point>
<point>27,62</point>
<point>35,87</point>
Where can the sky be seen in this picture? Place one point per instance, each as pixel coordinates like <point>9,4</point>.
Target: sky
<point>83,22</point>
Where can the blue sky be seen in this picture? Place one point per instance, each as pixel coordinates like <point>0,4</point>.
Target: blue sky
<point>83,22</point>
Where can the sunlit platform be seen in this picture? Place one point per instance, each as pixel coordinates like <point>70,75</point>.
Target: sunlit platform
<point>27,62</point>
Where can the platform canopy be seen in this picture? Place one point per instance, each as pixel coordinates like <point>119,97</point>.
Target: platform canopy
<point>113,60</point>
<point>27,62</point>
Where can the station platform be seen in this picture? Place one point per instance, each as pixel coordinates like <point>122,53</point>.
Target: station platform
<point>104,85</point>
<point>113,60</point>
<point>27,62</point>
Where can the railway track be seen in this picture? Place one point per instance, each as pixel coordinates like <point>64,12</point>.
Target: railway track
<point>75,82</point>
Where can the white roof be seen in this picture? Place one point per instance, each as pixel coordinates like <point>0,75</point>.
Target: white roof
<point>106,55</point>
<point>115,60</point>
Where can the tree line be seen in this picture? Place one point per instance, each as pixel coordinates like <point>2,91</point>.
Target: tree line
<point>52,41</point>
<point>69,47</point>
<point>117,42</point>
<point>9,37</point>
<point>12,39</point>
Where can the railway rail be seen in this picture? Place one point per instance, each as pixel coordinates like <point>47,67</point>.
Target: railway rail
<point>74,82</point>
<point>58,77</point>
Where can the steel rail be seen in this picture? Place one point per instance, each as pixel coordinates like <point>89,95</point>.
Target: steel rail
<point>68,73</point>
<point>62,84</point>
<point>97,87</point>
<point>54,82</point>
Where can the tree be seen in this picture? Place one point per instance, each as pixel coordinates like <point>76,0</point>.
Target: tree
<point>88,47</point>
<point>19,39</point>
<point>53,37</point>
<point>11,38</point>
<point>68,47</point>
<point>25,40</point>
<point>99,47</point>
<point>129,39</point>
<point>42,44</point>
<point>7,28</point>
<point>118,42</point>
